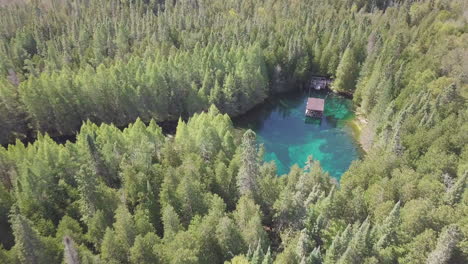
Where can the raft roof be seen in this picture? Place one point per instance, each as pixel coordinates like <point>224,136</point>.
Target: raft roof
<point>315,104</point>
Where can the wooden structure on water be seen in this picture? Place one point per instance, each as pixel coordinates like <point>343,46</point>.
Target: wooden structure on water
<point>320,82</point>
<point>315,107</point>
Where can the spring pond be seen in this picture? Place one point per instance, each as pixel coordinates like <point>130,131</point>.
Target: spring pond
<point>289,137</point>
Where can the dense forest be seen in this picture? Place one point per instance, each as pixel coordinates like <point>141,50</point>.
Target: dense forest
<point>205,194</point>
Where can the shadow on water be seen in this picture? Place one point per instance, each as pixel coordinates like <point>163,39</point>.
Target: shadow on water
<point>168,128</point>
<point>313,121</point>
<point>283,107</point>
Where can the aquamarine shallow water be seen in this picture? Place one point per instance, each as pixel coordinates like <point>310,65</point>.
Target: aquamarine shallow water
<point>289,137</point>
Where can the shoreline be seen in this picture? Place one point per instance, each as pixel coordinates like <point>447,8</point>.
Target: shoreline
<point>359,125</point>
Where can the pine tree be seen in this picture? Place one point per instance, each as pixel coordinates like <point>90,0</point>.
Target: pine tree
<point>29,245</point>
<point>248,217</point>
<point>8,256</point>
<point>455,193</point>
<point>387,230</point>
<point>358,247</point>
<point>89,192</point>
<point>249,170</point>
<point>315,256</point>
<point>97,225</point>
<point>268,259</point>
<point>99,44</point>
<point>99,165</point>
<point>229,238</point>
<point>170,221</point>
<point>217,96</point>
<point>228,143</point>
<point>142,222</point>
<point>191,199</point>
<point>346,73</point>
<point>258,255</point>
<point>446,244</point>
<point>70,253</point>
<point>304,246</point>
<point>143,250</point>
<point>338,246</point>
<point>122,41</point>
<point>229,90</point>
<point>69,227</point>
<point>112,249</point>
<point>124,227</point>
<point>317,52</point>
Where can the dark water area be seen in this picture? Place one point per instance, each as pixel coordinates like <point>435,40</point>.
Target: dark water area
<point>168,128</point>
<point>290,137</point>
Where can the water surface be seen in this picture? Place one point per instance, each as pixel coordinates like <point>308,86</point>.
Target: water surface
<point>290,137</point>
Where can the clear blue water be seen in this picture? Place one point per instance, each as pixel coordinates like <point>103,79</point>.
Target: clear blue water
<point>290,137</point>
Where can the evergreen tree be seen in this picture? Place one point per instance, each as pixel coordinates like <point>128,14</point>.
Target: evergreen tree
<point>96,228</point>
<point>268,259</point>
<point>170,221</point>
<point>29,245</point>
<point>346,73</point>
<point>230,94</point>
<point>98,162</point>
<point>145,249</point>
<point>455,192</point>
<point>229,238</point>
<point>304,247</point>
<point>315,256</point>
<point>358,247</point>
<point>258,255</point>
<point>112,249</point>
<point>249,170</point>
<point>338,245</point>
<point>110,61</point>
<point>124,227</point>
<point>70,228</point>
<point>248,217</point>
<point>387,231</point>
<point>122,41</point>
<point>446,244</point>
<point>70,253</point>
<point>99,44</point>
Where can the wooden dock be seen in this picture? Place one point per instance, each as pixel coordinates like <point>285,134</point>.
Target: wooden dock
<point>320,82</point>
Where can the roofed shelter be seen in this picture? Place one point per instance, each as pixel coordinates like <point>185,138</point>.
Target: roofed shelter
<point>315,107</point>
<point>320,82</point>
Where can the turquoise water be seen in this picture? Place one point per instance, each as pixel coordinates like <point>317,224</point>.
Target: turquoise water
<point>289,137</point>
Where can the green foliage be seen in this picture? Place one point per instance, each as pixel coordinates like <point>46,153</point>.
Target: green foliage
<point>229,237</point>
<point>249,219</point>
<point>145,249</point>
<point>346,73</point>
<point>112,251</point>
<point>446,243</point>
<point>204,195</point>
<point>268,259</point>
<point>30,246</point>
<point>358,246</point>
<point>70,253</point>
<point>170,221</point>
<point>247,180</point>
<point>258,255</point>
<point>420,247</point>
<point>70,228</point>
